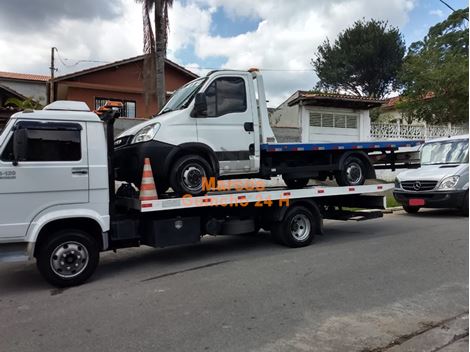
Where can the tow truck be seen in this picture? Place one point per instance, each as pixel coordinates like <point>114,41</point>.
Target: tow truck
<point>218,127</point>
<point>59,204</point>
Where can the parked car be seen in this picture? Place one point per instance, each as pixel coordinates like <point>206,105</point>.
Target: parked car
<point>442,179</point>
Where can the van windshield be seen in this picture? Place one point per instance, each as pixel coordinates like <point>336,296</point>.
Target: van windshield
<point>182,97</point>
<point>447,152</point>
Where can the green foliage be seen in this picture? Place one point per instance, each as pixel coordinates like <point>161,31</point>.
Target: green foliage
<point>435,73</point>
<point>28,103</point>
<point>364,60</point>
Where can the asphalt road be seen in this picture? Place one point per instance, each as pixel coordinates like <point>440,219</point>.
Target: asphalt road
<point>358,287</point>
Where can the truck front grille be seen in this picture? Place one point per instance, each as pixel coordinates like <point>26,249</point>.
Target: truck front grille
<point>418,186</point>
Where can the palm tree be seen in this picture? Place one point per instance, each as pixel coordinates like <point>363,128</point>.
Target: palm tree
<point>23,104</point>
<point>155,48</point>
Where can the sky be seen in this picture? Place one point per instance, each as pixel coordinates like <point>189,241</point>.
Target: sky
<point>279,37</point>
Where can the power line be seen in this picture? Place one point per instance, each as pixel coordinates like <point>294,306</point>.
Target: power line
<point>77,61</point>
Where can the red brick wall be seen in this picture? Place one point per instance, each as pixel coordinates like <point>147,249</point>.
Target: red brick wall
<point>127,79</point>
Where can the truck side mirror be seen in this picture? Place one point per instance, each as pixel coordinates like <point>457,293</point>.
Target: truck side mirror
<point>20,145</point>
<point>200,106</point>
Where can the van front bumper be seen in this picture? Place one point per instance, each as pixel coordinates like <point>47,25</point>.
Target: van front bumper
<point>442,199</point>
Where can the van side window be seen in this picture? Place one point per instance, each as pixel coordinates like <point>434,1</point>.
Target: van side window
<point>48,142</point>
<point>226,95</point>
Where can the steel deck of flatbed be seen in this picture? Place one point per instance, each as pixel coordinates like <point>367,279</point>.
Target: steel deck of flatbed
<point>370,146</point>
<point>278,194</point>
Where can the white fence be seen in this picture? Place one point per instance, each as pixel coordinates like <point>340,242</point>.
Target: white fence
<point>400,131</point>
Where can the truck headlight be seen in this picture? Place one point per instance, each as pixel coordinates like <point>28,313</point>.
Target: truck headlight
<point>146,134</point>
<point>449,182</point>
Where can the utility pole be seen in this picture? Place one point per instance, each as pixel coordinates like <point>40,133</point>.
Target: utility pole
<point>51,81</point>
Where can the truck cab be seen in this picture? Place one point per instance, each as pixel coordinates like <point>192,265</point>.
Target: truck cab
<point>211,127</point>
<point>53,168</point>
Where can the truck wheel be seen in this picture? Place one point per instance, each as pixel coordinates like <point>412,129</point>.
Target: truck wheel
<point>68,258</point>
<point>410,210</point>
<point>187,175</point>
<point>353,172</point>
<point>295,182</point>
<point>296,229</point>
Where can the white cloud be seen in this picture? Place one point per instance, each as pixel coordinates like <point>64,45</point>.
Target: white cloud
<point>437,12</point>
<point>286,37</point>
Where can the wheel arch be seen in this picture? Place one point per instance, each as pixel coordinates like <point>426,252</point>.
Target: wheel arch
<point>280,212</point>
<point>200,149</point>
<point>90,224</point>
<point>370,172</point>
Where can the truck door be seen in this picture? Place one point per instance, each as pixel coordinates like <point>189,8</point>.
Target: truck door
<point>53,172</point>
<point>229,126</point>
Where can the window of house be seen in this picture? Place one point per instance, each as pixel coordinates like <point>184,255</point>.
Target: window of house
<point>128,110</point>
<point>225,96</point>
<point>48,142</point>
<point>320,119</point>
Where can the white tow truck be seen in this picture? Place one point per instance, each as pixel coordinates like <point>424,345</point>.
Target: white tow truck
<point>58,202</point>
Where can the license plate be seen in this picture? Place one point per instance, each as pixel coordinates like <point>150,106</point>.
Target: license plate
<point>414,202</point>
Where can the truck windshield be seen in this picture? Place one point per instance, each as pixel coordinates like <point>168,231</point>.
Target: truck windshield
<point>182,97</point>
<point>448,152</point>
<point>3,129</point>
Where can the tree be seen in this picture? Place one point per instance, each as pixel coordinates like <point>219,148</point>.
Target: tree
<point>364,60</point>
<point>23,104</point>
<point>435,73</point>
<point>155,48</point>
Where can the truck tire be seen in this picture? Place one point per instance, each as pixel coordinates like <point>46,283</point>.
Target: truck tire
<point>296,229</point>
<point>353,172</point>
<point>187,174</point>
<point>295,182</point>
<point>410,209</point>
<point>68,257</point>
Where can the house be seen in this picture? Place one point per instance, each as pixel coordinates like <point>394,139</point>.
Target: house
<point>120,80</point>
<point>323,117</point>
<point>390,112</point>
<point>23,86</point>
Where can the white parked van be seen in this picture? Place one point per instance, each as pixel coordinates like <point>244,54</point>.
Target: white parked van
<point>442,179</point>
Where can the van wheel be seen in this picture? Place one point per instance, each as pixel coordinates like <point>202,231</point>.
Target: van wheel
<point>296,229</point>
<point>295,182</point>
<point>187,175</point>
<point>410,210</point>
<point>353,172</point>
<point>68,258</point>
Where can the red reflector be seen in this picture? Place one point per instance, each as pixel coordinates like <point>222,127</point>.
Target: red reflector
<point>285,194</point>
<point>146,205</point>
<point>416,202</point>
<point>352,189</point>
<point>241,197</point>
<point>206,200</point>
<point>379,187</point>
<point>321,191</point>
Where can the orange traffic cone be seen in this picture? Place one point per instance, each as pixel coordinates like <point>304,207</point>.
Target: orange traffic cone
<point>148,190</point>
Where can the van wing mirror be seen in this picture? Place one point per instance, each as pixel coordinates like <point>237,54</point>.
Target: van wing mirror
<point>200,106</point>
<point>20,145</point>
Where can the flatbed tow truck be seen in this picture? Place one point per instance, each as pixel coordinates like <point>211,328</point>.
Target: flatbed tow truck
<point>59,204</point>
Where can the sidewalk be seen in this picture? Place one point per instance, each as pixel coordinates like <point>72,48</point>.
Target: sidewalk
<point>448,336</point>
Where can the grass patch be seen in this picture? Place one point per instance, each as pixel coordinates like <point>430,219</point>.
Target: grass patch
<point>391,202</point>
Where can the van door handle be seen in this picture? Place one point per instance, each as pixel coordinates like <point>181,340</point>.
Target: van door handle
<point>248,126</point>
<point>79,171</point>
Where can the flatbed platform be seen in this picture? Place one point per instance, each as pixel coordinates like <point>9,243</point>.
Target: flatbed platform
<point>368,146</point>
<point>277,194</point>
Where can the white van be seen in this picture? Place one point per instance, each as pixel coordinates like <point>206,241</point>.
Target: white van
<point>442,179</point>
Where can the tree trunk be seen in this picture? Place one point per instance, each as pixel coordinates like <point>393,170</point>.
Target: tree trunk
<point>160,53</point>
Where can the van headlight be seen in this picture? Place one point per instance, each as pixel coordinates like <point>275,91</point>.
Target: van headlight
<point>448,183</point>
<point>146,134</point>
<point>397,183</point>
